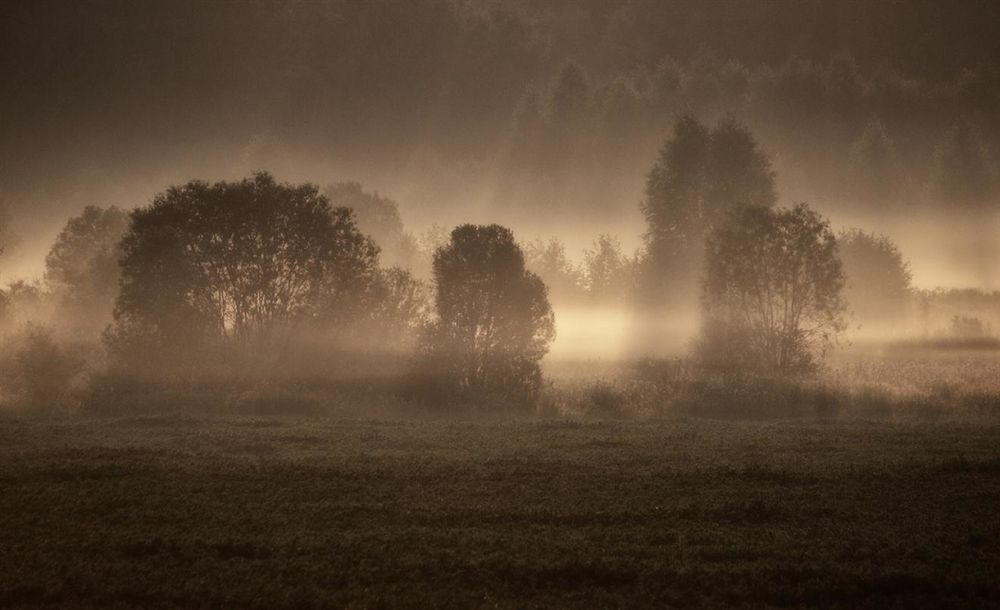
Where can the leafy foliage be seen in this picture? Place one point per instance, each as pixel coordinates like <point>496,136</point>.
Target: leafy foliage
<point>37,373</point>
<point>378,217</point>
<point>608,272</point>
<point>494,319</point>
<point>878,279</point>
<point>772,290</point>
<point>82,268</point>
<point>243,261</point>
<point>548,260</point>
<point>699,176</point>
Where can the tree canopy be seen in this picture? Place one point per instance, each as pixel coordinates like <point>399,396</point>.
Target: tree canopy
<point>772,290</point>
<point>81,268</point>
<point>239,261</point>
<point>494,322</point>
<point>878,279</point>
<point>376,216</point>
<point>701,174</point>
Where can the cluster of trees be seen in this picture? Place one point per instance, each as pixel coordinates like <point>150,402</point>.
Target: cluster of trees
<point>235,281</point>
<point>256,278</point>
<point>777,286</point>
<point>231,273</point>
<point>606,275</point>
<point>876,125</point>
<point>889,89</point>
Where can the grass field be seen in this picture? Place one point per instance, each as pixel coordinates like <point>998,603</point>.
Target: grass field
<point>301,513</point>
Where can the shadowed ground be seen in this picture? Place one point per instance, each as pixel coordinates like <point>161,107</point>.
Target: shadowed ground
<point>271,513</point>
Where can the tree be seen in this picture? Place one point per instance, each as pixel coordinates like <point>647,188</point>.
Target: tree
<point>607,270</point>
<point>238,262</point>
<point>878,279</point>
<point>549,261</point>
<point>400,309</point>
<point>378,217</point>
<point>772,290</point>
<point>963,174</point>
<point>494,320</point>
<point>874,168</point>
<point>82,268</point>
<point>699,176</point>
<point>23,303</point>
<point>738,173</point>
<point>40,373</point>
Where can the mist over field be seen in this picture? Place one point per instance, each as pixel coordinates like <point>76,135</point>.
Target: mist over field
<point>504,303</point>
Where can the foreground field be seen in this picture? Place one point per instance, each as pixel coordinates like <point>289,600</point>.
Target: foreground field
<point>294,513</point>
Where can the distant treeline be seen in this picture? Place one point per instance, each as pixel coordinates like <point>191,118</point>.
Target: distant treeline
<point>874,104</point>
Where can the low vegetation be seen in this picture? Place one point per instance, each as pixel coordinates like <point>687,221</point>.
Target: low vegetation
<point>264,512</point>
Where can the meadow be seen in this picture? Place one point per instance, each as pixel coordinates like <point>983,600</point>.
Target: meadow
<point>182,511</point>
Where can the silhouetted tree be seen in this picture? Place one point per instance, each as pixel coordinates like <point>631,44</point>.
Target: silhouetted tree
<point>738,173</point>
<point>878,279</point>
<point>378,217</point>
<point>699,176</point>
<point>772,290</point>
<point>494,320</point>
<point>238,261</point>
<point>81,268</point>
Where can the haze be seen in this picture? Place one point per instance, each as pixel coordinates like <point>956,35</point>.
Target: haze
<point>437,105</point>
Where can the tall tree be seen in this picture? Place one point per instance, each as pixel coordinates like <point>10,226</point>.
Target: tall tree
<point>494,319</point>
<point>699,176</point>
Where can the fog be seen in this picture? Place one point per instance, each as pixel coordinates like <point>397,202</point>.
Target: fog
<point>549,118</point>
<point>431,104</point>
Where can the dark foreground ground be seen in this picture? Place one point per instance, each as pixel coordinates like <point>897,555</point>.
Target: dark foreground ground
<point>290,513</point>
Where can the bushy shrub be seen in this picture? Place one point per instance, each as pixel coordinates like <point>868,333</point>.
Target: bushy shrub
<point>39,374</point>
